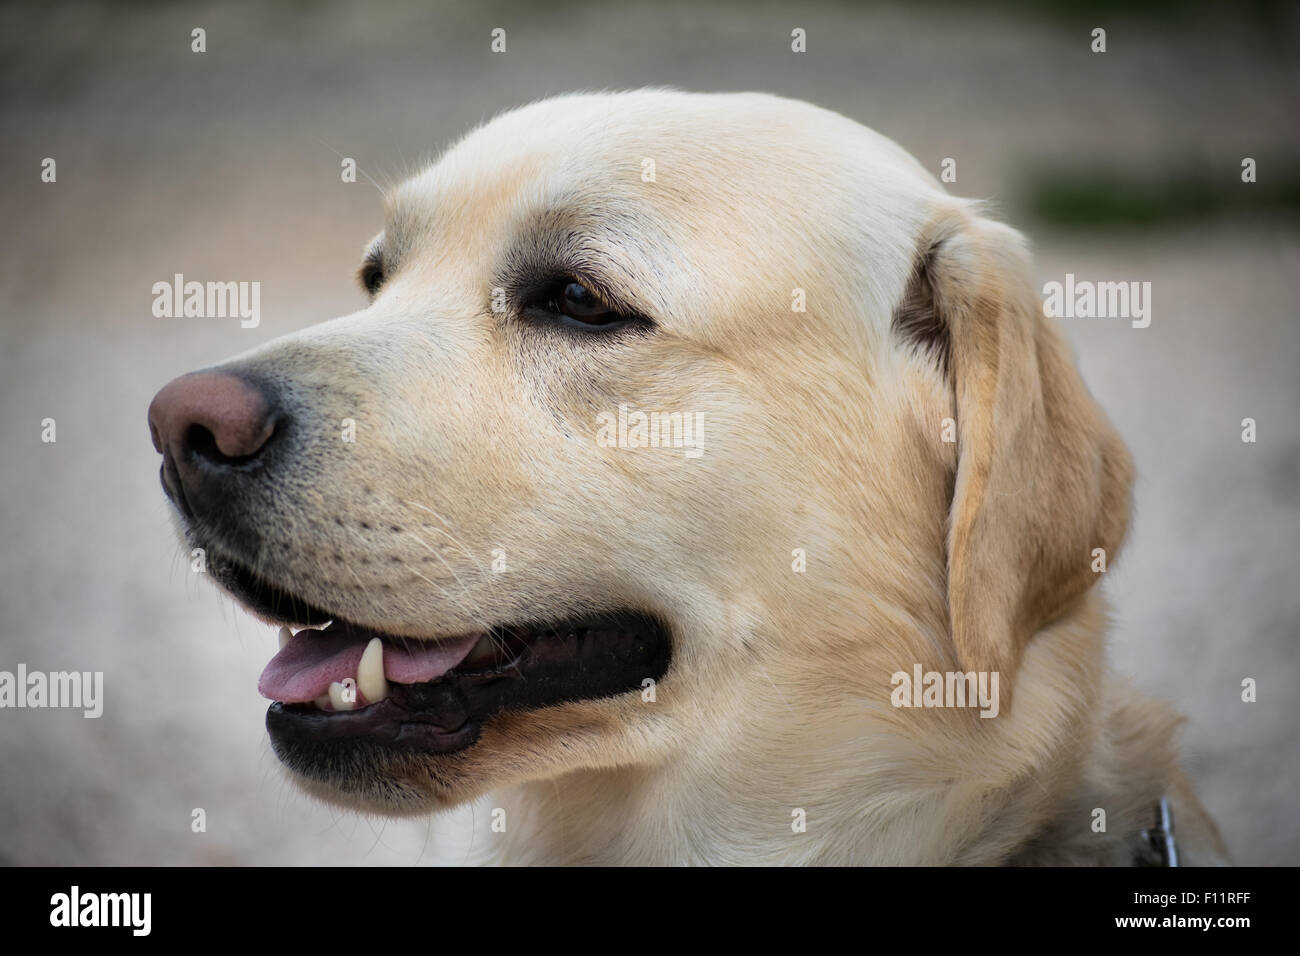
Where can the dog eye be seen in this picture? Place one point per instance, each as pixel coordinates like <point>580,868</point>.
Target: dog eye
<point>576,305</point>
<point>371,276</point>
<point>578,302</point>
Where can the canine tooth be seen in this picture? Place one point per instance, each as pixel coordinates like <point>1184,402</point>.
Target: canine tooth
<point>285,636</point>
<point>337,700</point>
<point>370,672</point>
<point>483,652</point>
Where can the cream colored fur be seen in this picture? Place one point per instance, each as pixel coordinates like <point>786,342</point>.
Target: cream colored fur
<point>476,431</point>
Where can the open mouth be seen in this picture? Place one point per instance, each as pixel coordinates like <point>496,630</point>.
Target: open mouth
<point>345,685</point>
<point>433,696</point>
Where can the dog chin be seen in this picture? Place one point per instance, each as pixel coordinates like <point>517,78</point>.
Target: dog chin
<point>384,791</point>
<point>378,782</point>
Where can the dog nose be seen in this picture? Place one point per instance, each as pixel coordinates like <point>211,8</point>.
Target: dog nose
<point>208,424</point>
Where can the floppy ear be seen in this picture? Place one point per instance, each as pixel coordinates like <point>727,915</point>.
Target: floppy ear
<point>1043,478</point>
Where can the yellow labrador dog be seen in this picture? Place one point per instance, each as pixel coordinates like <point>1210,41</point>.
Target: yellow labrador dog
<point>707,485</point>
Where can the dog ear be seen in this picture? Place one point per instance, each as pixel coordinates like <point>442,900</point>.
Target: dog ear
<point>1043,479</point>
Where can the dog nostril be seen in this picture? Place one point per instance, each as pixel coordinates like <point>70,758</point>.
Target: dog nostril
<point>202,443</point>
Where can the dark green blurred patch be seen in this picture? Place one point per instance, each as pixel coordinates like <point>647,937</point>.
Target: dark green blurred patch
<point>1268,14</point>
<point>1107,198</point>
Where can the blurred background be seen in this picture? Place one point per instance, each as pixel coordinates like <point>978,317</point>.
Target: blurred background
<point>1123,165</point>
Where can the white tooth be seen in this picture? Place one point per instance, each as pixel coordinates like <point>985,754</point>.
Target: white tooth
<point>370,672</point>
<point>337,700</point>
<point>322,702</point>
<point>285,636</point>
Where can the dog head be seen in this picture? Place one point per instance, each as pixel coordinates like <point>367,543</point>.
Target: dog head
<point>647,413</point>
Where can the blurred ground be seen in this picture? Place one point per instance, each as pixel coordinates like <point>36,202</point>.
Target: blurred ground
<point>226,165</point>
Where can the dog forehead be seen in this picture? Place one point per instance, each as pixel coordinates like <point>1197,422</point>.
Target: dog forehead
<point>587,148</point>
<point>658,148</point>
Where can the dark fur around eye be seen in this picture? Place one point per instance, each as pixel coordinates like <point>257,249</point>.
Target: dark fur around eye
<point>371,276</point>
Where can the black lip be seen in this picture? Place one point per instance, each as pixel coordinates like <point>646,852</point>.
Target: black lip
<point>578,660</point>
<point>260,596</point>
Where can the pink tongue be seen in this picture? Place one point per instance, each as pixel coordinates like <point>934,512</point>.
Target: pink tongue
<point>312,660</point>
